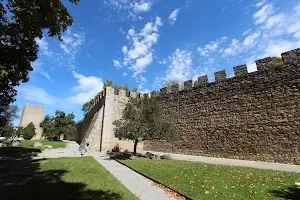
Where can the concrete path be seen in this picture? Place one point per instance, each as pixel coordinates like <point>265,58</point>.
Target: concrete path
<point>235,162</point>
<point>136,183</point>
<point>71,150</point>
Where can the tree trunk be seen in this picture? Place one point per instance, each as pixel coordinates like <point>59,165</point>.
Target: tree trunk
<point>135,146</point>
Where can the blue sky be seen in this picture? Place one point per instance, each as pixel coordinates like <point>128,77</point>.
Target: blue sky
<point>146,42</point>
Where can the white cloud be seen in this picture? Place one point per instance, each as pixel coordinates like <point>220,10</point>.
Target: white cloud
<point>124,9</point>
<point>141,63</point>
<point>38,67</point>
<point>162,62</point>
<point>260,3</point>
<point>180,65</point>
<point>211,46</point>
<point>43,46</point>
<point>117,64</point>
<point>124,49</point>
<point>141,80</point>
<point>124,74</point>
<point>250,62</point>
<point>274,20</point>
<point>158,21</point>
<point>251,39</point>
<point>247,32</point>
<point>173,16</point>
<point>138,54</point>
<point>142,6</point>
<point>233,48</point>
<point>87,87</point>
<point>263,14</point>
<point>276,47</point>
<point>70,46</point>
<point>38,95</point>
<point>71,42</point>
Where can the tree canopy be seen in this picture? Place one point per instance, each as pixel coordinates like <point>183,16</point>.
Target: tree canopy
<point>21,22</point>
<point>142,120</point>
<point>7,116</point>
<point>168,83</point>
<point>61,123</point>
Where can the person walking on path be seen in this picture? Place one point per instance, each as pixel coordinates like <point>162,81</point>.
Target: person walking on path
<point>84,148</point>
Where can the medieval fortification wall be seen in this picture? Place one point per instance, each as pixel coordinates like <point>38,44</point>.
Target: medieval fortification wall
<point>253,116</point>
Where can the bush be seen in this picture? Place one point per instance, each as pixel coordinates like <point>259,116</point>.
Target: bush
<point>29,131</point>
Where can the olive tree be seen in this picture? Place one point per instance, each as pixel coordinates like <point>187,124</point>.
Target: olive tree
<point>142,120</point>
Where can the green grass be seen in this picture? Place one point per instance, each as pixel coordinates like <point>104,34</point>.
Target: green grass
<point>61,178</point>
<point>55,144</point>
<point>207,181</point>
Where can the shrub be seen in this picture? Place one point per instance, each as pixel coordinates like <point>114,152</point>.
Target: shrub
<point>29,131</point>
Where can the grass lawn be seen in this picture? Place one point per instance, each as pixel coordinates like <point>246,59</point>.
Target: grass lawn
<point>207,181</point>
<point>61,178</point>
<point>55,144</point>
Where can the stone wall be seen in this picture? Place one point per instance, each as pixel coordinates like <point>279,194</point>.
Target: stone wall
<point>97,125</point>
<point>34,114</point>
<point>254,116</point>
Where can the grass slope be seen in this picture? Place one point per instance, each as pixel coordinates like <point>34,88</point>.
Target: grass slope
<point>207,181</point>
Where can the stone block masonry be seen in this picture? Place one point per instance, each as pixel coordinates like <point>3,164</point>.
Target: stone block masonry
<point>34,114</point>
<point>253,116</point>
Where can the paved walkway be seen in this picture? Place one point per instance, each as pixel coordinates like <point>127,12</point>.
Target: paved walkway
<point>136,183</point>
<point>71,150</point>
<point>235,162</point>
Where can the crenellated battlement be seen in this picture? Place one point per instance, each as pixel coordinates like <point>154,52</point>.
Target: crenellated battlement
<point>100,97</point>
<point>290,59</point>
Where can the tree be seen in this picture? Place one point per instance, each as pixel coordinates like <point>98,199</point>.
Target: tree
<point>169,83</point>
<point>64,124</point>
<point>107,83</point>
<point>7,131</point>
<point>21,22</point>
<point>48,126</point>
<point>142,120</point>
<point>8,115</point>
<point>59,124</point>
<point>29,131</point>
<point>276,61</point>
<point>86,107</point>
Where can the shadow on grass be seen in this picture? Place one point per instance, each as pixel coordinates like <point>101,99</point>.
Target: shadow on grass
<point>21,178</point>
<point>292,193</point>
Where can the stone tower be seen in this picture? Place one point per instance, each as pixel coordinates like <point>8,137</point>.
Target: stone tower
<point>34,114</point>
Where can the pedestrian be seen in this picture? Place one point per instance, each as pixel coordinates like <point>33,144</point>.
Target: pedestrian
<point>86,146</point>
